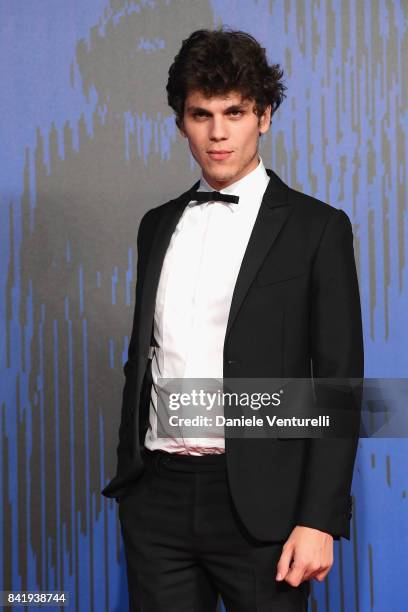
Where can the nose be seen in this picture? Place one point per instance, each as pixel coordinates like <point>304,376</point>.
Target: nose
<point>218,130</point>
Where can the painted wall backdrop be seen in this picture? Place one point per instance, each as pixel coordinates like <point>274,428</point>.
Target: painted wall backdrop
<point>87,145</point>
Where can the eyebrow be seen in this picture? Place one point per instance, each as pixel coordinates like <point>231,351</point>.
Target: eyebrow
<point>233,107</point>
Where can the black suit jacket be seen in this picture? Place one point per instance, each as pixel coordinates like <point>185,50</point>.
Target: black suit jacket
<point>295,312</point>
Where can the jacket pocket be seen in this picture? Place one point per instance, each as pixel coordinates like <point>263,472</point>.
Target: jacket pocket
<point>270,277</point>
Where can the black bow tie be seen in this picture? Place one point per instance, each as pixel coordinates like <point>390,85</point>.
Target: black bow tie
<point>207,196</point>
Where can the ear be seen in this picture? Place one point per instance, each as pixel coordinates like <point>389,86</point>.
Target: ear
<point>265,120</point>
<point>181,129</point>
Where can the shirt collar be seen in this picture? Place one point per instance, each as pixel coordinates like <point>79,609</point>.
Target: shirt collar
<point>249,185</point>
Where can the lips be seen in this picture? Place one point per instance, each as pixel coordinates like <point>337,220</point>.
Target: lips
<point>219,154</point>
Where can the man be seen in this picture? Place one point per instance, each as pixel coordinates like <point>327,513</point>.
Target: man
<point>258,285</point>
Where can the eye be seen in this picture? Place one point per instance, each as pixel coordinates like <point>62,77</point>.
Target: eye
<point>236,112</point>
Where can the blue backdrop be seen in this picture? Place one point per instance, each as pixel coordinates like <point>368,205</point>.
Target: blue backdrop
<point>87,145</point>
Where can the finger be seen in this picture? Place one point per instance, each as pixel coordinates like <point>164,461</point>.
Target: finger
<point>321,572</point>
<point>320,576</point>
<point>296,573</point>
<point>282,567</point>
<point>312,572</point>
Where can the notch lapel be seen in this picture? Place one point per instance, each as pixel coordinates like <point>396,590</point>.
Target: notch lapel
<point>166,225</point>
<point>273,214</point>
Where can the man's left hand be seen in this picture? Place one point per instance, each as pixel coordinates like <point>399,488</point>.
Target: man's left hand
<point>312,553</point>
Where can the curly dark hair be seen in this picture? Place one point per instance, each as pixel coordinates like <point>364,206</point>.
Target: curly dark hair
<point>216,62</point>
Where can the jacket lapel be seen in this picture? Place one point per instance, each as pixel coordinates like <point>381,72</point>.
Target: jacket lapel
<point>273,213</point>
<point>166,225</point>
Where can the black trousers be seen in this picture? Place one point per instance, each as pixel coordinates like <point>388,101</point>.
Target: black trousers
<point>185,544</point>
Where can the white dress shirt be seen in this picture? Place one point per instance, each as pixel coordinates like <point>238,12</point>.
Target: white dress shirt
<point>194,296</point>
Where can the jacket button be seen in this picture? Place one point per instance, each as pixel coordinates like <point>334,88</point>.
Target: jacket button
<point>232,361</point>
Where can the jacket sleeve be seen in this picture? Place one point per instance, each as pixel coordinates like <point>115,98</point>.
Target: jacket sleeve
<point>336,343</point>
<point>125,444</point>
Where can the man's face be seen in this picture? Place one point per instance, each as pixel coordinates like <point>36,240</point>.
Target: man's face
<point>226,125</point>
